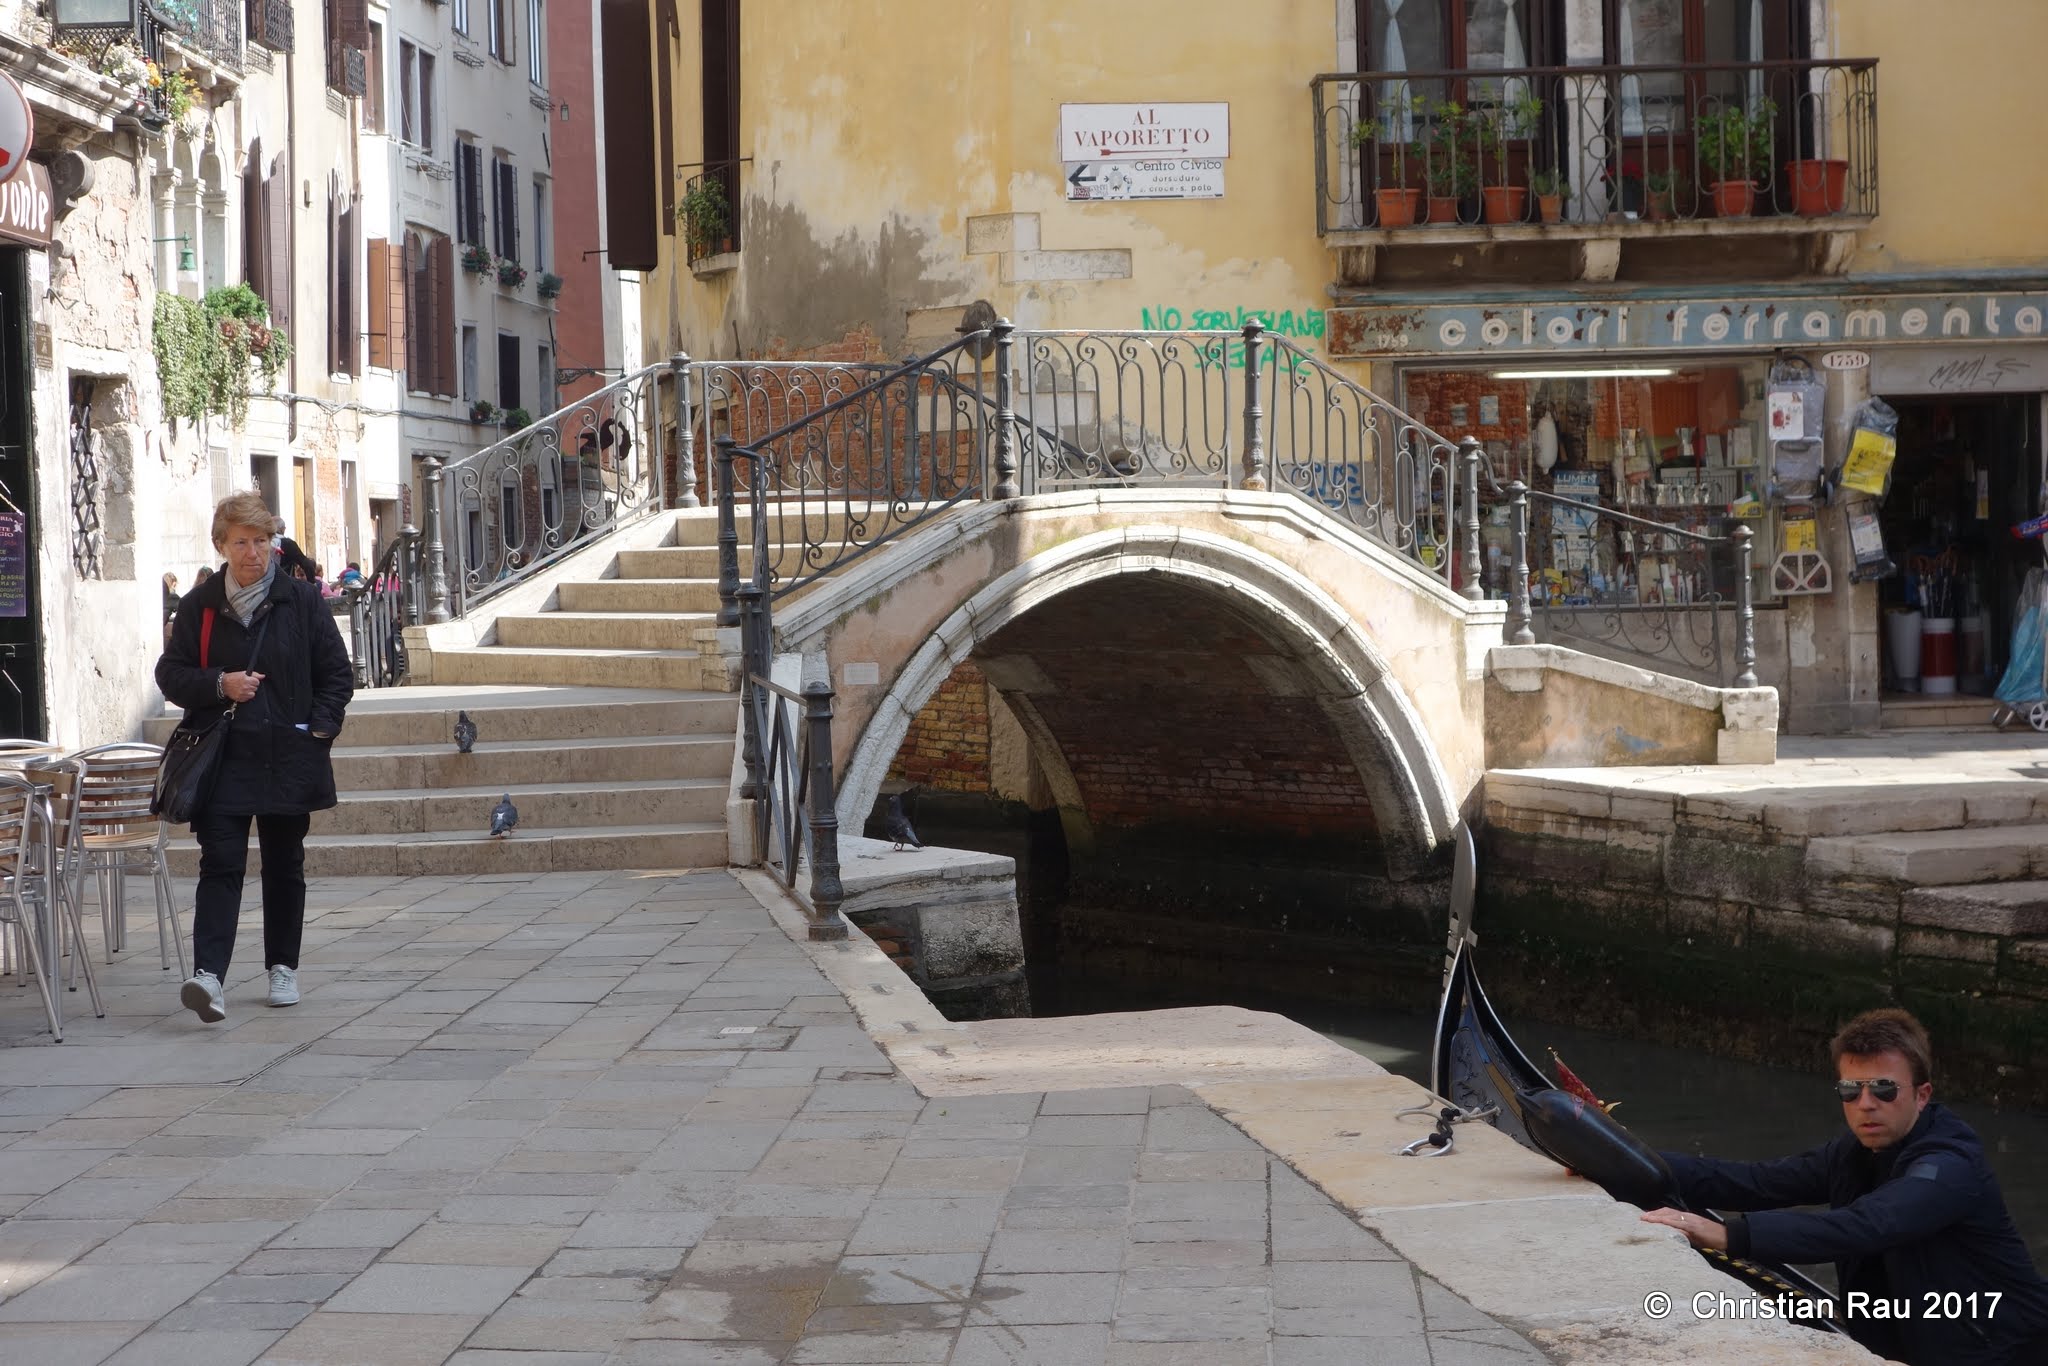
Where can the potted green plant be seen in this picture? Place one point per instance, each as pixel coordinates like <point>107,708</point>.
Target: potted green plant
<point>1396,200</point>
<point>1497,129</point>
<point>1660,190</point>
<point>516,419</point>
<point>549,285</point>
<point>477,260</point>
<point>511,274</point>
<point>1735,146</point>
<point>1450,173</point>
<point>482,411</point>
<point>1551,191</point>
<point>704,216</point>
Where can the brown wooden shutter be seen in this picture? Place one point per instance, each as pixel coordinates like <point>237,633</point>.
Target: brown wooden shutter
<point>277,255</point>
<point>441,276</point>
<point>385,290</point>
<point>255,223</point>
<point>632,180</point>
<point>352,22</point>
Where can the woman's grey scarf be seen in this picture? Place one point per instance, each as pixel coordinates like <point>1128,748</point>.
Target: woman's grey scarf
<point>242,601</point>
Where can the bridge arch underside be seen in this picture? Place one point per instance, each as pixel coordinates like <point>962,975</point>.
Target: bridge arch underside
<point>1226,796</point>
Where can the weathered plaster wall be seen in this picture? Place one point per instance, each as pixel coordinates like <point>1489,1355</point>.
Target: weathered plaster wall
<point>1958,193</point>
<point>872,197</point>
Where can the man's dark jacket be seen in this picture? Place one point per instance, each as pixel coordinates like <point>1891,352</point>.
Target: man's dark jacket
<point>268,766</point>
<point>1926,1215</point>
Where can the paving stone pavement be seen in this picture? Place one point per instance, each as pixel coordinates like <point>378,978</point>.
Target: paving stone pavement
<point>622,1120</point>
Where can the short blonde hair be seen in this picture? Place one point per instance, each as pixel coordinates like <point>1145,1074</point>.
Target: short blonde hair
<point>240,509</point>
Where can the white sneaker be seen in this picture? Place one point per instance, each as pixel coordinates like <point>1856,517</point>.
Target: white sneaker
<point>284,986</point>
<point>201,994</point>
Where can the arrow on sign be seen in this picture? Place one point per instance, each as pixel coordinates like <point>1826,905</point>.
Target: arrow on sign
<point>1083,175</point>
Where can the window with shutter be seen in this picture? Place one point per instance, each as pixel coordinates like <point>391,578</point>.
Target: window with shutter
<point>631,180</point>
<point>385,293</point>
<point>254,232</point>
<point>441,269</point>
<point>277,255</point>
<point>419,303</point>
<point>270,24</point>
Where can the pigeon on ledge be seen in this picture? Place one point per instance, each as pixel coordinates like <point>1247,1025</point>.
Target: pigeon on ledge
<point>504,816</point>
<point>465,732</point>
<point>896,824</point>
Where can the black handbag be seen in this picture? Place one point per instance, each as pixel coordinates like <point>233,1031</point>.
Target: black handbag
<point>184,776</point>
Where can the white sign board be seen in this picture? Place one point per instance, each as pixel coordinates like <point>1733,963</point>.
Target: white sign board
<point>1143,132</point>
<point>1167,178</point>
<point>17,128</point>
<point>1845,360</point>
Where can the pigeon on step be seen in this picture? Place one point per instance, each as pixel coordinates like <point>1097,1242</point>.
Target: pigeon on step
<point>896,824</point>
<point>504,816</point>
<point>465,732</point>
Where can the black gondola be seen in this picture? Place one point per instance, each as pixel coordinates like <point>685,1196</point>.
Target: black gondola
<point>1478,1068</point>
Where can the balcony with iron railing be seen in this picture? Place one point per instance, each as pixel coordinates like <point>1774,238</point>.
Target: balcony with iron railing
<point>208,29</point>
<point>1607,154</point>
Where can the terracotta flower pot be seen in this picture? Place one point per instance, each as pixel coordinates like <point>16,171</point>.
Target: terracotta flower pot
<point>1734,198</point>
<point>1819,188</point>
<point>1550,207</point>
<point>1505,203</point>
<point>1443,208</point>
<point>1396,207</point>
<point>1659,208</point>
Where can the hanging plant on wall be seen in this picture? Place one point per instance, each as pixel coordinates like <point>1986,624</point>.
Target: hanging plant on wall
<point>478,260</point>
<point>205,351</point>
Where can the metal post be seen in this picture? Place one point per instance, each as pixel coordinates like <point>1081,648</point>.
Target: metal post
<point>1519,630</point>
<point>1254,416</point>
<point>1745,611</point>
<point>686,436</point>
<point>407,566</point>
<point>359,635</point>
<point>728,539</point>
<point>437,545</point>
<point>827,892</point>
<point>1006,419</point>
<point>1468,469</point>
<point>753,661</point>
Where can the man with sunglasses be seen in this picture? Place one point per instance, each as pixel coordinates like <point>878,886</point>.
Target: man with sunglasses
<point>1931,1269</point>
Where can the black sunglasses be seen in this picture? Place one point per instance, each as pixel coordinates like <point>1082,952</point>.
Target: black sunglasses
<point>1884,1088</point>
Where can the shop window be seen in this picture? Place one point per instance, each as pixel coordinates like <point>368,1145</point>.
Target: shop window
<point>1682,446</point>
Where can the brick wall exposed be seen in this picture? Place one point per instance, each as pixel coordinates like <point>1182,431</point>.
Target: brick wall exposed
<point>947,747</point>
<point>1165,724</point>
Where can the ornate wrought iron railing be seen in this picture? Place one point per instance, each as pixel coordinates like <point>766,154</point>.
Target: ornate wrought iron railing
<point>1633,584</point>
<point>212,28</point>
<point>496,517</point>
<point>1614,143</point>
<point>787,749</point>
<point>869,454</point>
<point>381,607</point>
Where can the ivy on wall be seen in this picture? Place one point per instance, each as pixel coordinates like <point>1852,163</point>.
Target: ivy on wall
<point>204,352</point>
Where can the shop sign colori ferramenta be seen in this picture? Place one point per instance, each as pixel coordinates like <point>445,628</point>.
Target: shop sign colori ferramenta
<point>1495,331</point>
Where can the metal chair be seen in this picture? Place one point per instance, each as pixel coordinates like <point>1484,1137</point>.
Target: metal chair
<point>24,883</point>
<point>113,834</point>
<point>58,777</point>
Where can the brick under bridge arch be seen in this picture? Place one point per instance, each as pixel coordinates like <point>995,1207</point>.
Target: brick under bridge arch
<point>1320,656</point>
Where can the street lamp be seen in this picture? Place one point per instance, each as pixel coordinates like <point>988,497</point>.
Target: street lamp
<point>70,16</point>
<point>187,260</point>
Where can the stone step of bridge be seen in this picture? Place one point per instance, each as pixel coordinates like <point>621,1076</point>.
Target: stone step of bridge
<point>1929,858</point>
<point>603,778</point>
<point>472,854</point>
<point>586,667</point>
<point>604,630</point>
<point>675,596</point>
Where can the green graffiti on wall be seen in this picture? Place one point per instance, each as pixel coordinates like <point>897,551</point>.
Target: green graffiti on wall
<point>1303,325</point>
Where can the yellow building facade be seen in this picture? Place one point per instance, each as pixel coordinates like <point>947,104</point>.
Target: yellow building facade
<point>881,166</point>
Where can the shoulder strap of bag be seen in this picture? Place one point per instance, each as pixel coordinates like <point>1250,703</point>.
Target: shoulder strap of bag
<point>205,635</point>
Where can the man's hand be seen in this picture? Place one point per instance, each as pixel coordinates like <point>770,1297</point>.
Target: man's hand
<point>241,686</point>
<point>1699,1230</point>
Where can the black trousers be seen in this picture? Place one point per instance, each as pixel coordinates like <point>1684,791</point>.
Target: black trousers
<point>223,863</point>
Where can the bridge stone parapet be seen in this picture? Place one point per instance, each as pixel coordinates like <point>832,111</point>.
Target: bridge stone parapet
<point>1330,637</point>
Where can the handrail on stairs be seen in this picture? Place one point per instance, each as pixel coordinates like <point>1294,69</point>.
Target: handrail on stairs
<point>380,606</point>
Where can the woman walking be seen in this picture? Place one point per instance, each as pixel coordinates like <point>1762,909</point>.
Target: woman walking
<point>255,638</point>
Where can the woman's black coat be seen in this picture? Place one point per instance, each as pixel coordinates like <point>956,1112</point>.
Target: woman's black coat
<point>268,767</point>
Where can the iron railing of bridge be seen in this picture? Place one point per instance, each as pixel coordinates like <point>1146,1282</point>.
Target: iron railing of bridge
<point>380,608</point>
